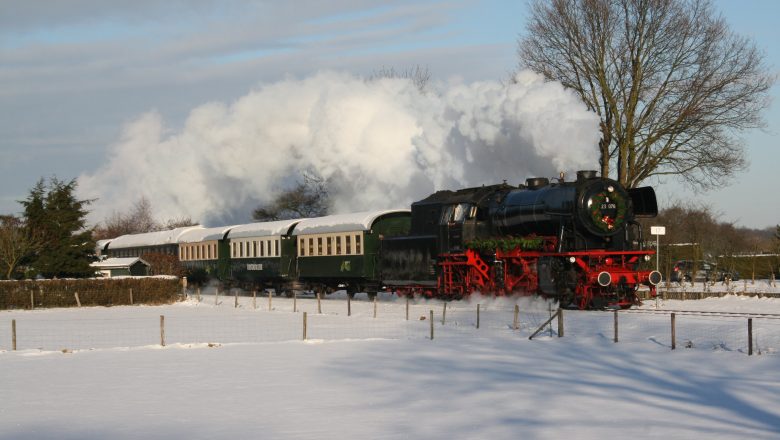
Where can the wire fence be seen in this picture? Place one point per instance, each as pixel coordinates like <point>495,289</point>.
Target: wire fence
<point>225,319</point>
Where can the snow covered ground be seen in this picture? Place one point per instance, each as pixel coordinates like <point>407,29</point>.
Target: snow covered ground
<point>245,372</point>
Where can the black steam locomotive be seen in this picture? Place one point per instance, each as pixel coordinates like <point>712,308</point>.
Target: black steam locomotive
<point>576,241</point>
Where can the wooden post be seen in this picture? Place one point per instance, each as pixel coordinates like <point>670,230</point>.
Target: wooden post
<point>304,326</point>
<point>235,303</point>
<point>374,306</point>
<point>13,334</point>
<point>184,286</point>
<point>616,325</point>
<point>216,297</point>
<point>349,305</point>
<point>162,330</point>
<point>32,299</point>
<point>517,313</point>
<point>750,336</point>
<point>560,322</point>
<point>254,300</point>
<point>444,314</point>
<point>319,304</point>
<point>295,302</point>
<point>431,325</point>
<point>477,315</point>
<point>131,296</point>
<point>78,302</point>
<point>674,341</point>
<point>407,308</point>
<point>270,301</point>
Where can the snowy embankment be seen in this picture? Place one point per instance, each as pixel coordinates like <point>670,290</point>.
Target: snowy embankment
<point>366,377</point>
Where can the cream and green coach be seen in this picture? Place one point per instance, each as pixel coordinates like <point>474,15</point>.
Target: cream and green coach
<point>262,255</point>
<point>341,252</point>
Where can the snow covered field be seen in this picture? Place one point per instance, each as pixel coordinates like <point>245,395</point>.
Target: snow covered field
<point>227,372</point>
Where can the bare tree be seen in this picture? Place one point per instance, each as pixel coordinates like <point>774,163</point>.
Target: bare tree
<point>419,76</point>
<point>139,219</point>
<point>308,198</point>
<point>672,84</point>
<point>16,243</point>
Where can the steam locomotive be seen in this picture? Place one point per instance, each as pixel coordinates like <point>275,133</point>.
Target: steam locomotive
<point>577,241</point>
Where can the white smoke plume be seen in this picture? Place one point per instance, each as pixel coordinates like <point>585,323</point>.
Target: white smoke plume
<point>380,144</point>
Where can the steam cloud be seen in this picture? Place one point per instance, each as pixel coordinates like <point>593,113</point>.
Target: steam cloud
<point>381,144</point>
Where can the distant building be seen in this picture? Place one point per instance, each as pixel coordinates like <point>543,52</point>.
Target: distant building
<point>113,267</point>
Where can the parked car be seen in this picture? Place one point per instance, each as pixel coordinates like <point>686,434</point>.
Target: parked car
<point>683,270</point>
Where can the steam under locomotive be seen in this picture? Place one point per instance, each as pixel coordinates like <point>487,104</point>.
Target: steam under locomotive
<point>575,241</point>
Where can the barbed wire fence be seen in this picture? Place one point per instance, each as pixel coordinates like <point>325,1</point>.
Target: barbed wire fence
<point>258,318</point>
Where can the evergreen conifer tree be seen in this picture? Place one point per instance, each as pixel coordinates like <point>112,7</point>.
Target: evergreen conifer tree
<point>53,213</point>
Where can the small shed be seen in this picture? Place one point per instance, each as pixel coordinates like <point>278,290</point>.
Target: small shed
<point>113,267</point>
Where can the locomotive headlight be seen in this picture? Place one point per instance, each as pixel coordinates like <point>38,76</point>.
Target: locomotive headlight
<point>647,257</point>
<point>572,259</point>
<point>610,188</point>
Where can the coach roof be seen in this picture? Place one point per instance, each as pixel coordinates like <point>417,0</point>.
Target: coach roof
<point>263,229</point>
<point>158,238</point>
<point>359,221</point>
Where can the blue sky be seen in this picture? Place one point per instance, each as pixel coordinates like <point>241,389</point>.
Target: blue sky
<point>74,73</point>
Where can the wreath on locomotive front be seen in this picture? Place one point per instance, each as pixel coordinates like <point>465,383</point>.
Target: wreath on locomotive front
<point>606,207</point>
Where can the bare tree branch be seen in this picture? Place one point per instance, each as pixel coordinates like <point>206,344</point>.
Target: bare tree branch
<point>672,84</point>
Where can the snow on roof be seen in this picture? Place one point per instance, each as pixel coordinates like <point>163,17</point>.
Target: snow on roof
<point>204,234</point>
<point>117,263</point>
<point>358,221</point>
<point>263,229</point>
<point>150,238</point>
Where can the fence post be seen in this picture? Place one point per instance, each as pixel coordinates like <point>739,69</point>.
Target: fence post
<point>304,326</point>
<point>477,315</point>
<point>162,330</point>
<point>560,322</point>
<point>216,297</point>
<point>78,302</point>
<point>235,302</point>
<point>616,325</point>
<point>131,295</point>
<point>375,306</point>
<point>13,334</point>
<point>254,300</point>
<point>349,305</point>
<point>295,302</point>
<point>431,325</point>
<point>407,308</point>
<point>444,314</point>
<point>32,299</point>
<point>517,312</point>
<point>750,336</point>
<point>270,302</point>
<point>674,341</point>
<point>319,304</point>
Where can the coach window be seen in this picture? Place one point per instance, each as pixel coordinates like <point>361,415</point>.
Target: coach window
<point>348,243</point>
<point>302,248</point>
<point>276,246</point>
<point>338,245</point>
<point>311,246</point>
<point>329,246</point>
<point>357,244</point>
<point>319,245</point>
<point>268,248</point>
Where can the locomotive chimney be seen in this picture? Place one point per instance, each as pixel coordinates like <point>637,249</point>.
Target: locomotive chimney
<point>585,175</point>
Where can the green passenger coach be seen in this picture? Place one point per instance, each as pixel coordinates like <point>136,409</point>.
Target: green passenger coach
<point>262,254</point>
<point>342,251</point>
<point>204,250</point>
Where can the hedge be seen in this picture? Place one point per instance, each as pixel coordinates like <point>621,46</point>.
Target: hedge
<point>91,292</point>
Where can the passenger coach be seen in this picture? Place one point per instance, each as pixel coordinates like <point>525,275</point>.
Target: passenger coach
<point>342,251</point>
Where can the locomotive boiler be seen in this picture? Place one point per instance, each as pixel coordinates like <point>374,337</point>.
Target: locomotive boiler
<point>576,241</point>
